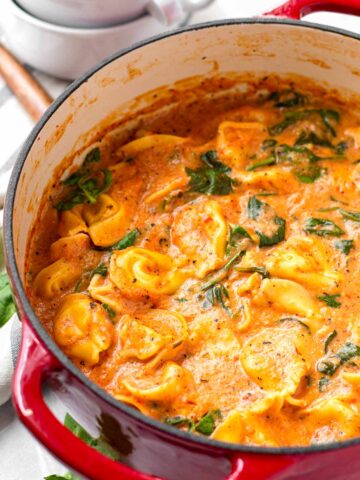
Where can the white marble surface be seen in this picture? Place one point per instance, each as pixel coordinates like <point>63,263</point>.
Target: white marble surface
<point>22,457</point>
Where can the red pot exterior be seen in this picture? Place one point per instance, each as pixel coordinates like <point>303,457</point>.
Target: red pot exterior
<point>148,450</point>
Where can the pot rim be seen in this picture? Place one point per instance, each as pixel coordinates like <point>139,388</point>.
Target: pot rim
<point>20,291</point>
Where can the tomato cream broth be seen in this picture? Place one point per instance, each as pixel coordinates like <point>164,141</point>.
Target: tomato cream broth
<point>206,271</point>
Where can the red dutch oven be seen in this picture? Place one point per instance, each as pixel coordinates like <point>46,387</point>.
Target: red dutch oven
<point>148,448</point>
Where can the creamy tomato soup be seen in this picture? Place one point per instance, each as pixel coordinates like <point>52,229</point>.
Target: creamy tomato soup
<point>206,269</point>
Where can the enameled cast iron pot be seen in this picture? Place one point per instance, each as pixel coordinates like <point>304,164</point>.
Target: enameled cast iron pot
<point>157,450</point>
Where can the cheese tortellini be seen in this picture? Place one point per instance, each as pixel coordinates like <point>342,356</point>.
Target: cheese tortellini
<point>157,335</point>
<point>56,278</point>
<point>276,359</point>
<point>199,231</point>
<point>82,328</point>
<point>138,272</point>
<point>304,260</point>
<point>149,141</point>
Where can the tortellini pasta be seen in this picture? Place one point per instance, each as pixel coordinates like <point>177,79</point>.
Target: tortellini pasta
<point>275,178</point>
<point>157,335</point>
<point>54,279</point>
<point>237,139</point>
<point>304,260</point>
<point>82,329</point>
<point>199,231</point>
<point>174,380</point>
<point>105,221</point>
<point>149,141</point>
<point>103,290</point>
<point>276,360</point>
<point>70,248</point>
<point>289,296</point>
<point>138,272</point>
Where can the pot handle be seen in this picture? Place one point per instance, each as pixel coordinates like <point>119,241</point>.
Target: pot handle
<point>297,9</point>
<point>247,467</point>
<point>35,363</point>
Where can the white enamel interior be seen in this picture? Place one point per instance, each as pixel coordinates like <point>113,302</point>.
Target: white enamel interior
<point>323,56</point>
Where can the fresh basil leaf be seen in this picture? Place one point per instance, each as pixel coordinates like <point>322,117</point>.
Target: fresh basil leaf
<point>350,215</point>
<point>206,425</point>
<point>7,305</point>
<point>92,156</point>
<point>297,320</point>
<point>261,270</point>
<point>329,339</point>
<point>101,269</point>
<point>254,207</point>
<point>127,241</point>
<point>109,310</point>
<point>323,383</point>
<point>330,300</point>
<point>277,237</point>
<point>180,421</point>
<point>288,98</point>
<point>261,163</point>
<point>322,227</point>
<point>344,246</point>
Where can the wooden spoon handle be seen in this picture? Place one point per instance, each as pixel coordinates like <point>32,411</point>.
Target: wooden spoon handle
<point>27,89</point>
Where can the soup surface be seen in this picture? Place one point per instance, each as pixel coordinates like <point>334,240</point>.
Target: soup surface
<point>206,269</point>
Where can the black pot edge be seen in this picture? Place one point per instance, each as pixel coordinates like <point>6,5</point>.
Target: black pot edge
<point>14,273</point>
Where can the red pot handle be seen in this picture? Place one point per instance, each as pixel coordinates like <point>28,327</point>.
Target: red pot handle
<point>298,8</point>
<point>258,467</point>
<point>34,365</point>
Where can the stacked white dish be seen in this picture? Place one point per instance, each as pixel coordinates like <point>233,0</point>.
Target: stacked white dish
<point>66,37</point>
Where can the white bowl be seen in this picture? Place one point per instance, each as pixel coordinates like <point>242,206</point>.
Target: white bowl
<point>68,52</point>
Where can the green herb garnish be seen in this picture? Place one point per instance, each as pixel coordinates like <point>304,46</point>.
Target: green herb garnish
<point>288,98</point>
<point>332,363</point>
<point>92,156</point>
<point>109,310</point>
<point>180,421</point>
<point>261,270</point>
<point>254,208</point>
<point>181,300</point>
<point>328,118</point>
<point>350,215</point>
<point>268,143</point>
<point>223,271</point>
<point>101,269</point>
<point>66,476</point>
<point>322,227</point>
<point>329,339</point>
<point>277,237</point>
<point>295,319</point>
<point>217,294</point>
<point>261,163</point>
<point>127,241</point>
<point>308,174</point>
<point>7,305</point>
<point>344,246</point>
<point>213,178</point>
<point>310,137</point>
<point>236,233</point>
<point>323,383</point>
<point>206,424</point>
<point>330,300</point>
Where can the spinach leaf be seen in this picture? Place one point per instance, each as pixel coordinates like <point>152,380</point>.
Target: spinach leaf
<point>217,294</point>
<point>268,143</point>
<point>261,163</point>
<point>127,241</point>
<point>236,233</point>
<point>350,215</point>
<point>7,305</point>
<point>288,98</point>
<point>295,319</point>
<point>213,178</point>
<point>206,424</point>
<point>180,421</point>
<point>329,339</point>
<point>66,476</point>
<point>109,310</point>
<point>101,269</point>
<point>344,246</point>
<point>308,174</point>
<point>311,137</point>
<point>99,444</point>
<point>290,118</point>
<point>261,270</point>
<point>93,156</point>
<point>332,363</point>
<point>254,207</point>
<point>322,227</point>
<point>278,236</point>
<point>330,300</point>
<point>88,186</point>
<point>223,271</point>
<point>329,118</point>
